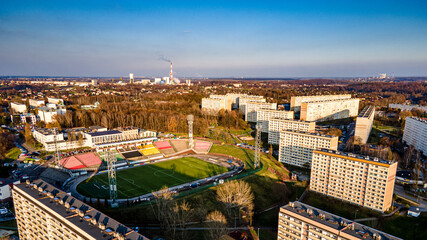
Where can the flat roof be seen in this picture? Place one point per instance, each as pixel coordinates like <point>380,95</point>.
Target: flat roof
<point>419,119</point>
<point>42,198</point>
<point>47,131</point>
<point>366,112</point>
<point>290,120</point>
<point>308,133</point>
<point>355,157</point>
<point>336,222</point>
<point>103,133</point>
<point>333,100</point>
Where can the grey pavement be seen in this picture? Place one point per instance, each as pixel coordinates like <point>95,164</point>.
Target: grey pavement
<point>398,190</point>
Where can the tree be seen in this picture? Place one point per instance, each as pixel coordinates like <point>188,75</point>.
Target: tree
<point>80,139</point>
<point>236,196</point>
<point>334,132</point>
<point>28,136</point>
<point>217,224</point>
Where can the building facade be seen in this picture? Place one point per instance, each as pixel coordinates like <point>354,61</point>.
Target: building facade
<point>278,124</point>
<point>361,180</point>
<point>215,103</point>
<point>299,221</point>
<point>415,133</point>
<point>35,103</point>
<point>47,114</point>
<point>264,117</point>
<point>296,147</point>
<point>329,109</point>
<point>298,100</point>
<point>55,101</point>
<point>18,107</point>
<point>364,122</point>
<point>250,109</point>
<point>45,212</point>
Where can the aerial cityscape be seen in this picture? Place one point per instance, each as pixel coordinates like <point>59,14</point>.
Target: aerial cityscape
<point>213,120</point>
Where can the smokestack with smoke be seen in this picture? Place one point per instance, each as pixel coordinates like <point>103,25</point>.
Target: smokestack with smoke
<point>163,58</point>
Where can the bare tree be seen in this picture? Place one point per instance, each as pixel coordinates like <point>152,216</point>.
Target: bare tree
<point>236,195</point>
<point>217,224</point>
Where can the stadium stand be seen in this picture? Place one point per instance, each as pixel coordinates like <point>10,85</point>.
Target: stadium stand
<point>81,161</point>
<point>162,145</point>
<point>54,176</point>
<point>132,154</point>
<point>179,145</point>
<point>149,149</point>
<point>202,146</point>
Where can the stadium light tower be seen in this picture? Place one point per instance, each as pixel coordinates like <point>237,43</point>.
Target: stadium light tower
<point>111,161</point>
<point>190,119</point>
<point>257,145</point>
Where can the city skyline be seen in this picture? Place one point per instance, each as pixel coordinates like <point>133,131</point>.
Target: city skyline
<point>213,39</point>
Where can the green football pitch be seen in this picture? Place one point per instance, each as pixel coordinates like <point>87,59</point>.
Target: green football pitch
<point>147,178</point>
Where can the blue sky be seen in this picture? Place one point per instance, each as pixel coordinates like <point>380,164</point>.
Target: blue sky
<point>214,38</point>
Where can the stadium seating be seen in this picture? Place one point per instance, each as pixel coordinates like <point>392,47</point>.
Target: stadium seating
<point>149,150</point>
<point>203,146</point>
<point>89,159</point>
<point>179,145</point>
<point>71,163</point>
<point>163,145</point>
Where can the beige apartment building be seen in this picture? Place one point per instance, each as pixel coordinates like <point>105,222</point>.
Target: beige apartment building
<point>329,109</point>
<point>18,107</point>
<point>296,147</point>
<point>45,212</point>
<point>298,100</point>
<point>215,103</point>
<point>275,125</point>
<point>250,109</point>
<point>415,133</point>
<point>299,221</point>
<point>364,122</point>
<point>265,115</point>
<point>361,180</point>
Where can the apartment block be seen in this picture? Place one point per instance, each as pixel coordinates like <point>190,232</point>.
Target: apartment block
<point>55,101</point>
<point>415,133</point>
<point>361,180</point>
<point>329,109</point>
<point>215,103</point>
<point>45,212</point>
<point>18,107</point>
<point>250,109</point>
<point>47,114</point>
<point>364,122</point>
<point>264,116</point>
<point>275,125</point>
<point>34,103</point>
<point>299,221</point>
<point>296,147</point>
<point>298,100</point>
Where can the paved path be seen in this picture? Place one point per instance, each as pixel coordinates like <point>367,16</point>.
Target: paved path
<point>398,189</point>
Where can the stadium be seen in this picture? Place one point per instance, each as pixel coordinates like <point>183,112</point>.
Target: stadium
<point>147,168</point>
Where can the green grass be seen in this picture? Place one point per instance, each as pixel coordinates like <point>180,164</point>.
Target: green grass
<point>245,155</point>
<point>388,129</point>
<point>12,154</point>
<point>374,137</point>
<point>136,181</point>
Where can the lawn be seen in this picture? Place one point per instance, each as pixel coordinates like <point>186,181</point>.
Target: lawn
<point>12,155</point>
<point>136,181</point>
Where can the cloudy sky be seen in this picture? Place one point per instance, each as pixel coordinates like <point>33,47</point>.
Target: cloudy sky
<point>213,38</point>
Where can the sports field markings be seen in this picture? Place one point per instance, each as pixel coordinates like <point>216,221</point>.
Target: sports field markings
<point>167,174</point>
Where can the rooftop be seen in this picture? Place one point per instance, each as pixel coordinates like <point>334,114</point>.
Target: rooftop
<point>366,112</point>
<point>308,133</point>
<point>355,156</point>
<point>86,218</point>
<point>419,119</point>
<point>47,131</point>
<point>334,100</point>
<point>103,133</point>
<point>290,120</point>
<point>336,222</point>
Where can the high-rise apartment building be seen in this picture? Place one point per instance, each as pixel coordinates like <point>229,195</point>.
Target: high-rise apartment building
<point>275,125</point>
<point>299,221</point>
<point>45,212</point>
<point>296,147</point>
<point>361,180</point>
<point>215,103</point>
<point>298,100</point>
<point>364,122</point>
<point>264,117</point>
<point>250,109</point>
<point>415,133</point>
<point>329,109</point>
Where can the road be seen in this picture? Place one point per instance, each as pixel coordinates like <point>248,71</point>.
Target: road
<point>398,189</point>
<point>349,133</point>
